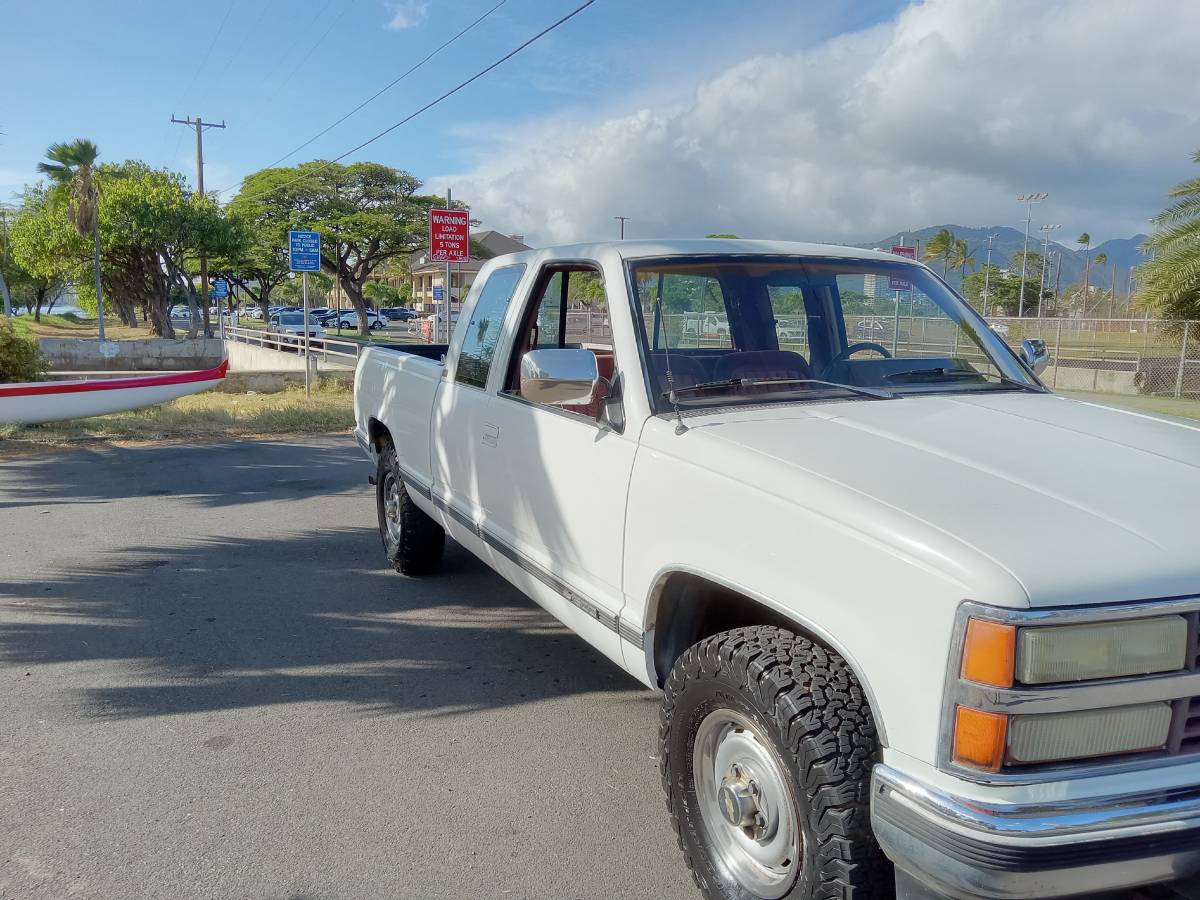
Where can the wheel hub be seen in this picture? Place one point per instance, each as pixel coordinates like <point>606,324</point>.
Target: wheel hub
<point>747,804</point>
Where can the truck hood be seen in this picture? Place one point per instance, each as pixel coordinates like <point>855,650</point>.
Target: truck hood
<point>1031,499</point>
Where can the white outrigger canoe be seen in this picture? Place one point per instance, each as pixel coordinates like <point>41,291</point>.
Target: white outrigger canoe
<point>34,402</point>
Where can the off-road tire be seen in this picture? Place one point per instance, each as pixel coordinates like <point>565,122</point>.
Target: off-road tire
<point>809,705</point>
<point>422,541</point>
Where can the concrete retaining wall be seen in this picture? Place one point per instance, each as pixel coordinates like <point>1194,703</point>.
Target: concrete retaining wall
<point>143,355</point>
<point>1069,378</point>
<point>252,358</point>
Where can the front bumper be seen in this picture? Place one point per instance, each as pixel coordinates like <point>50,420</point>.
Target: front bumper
<point>962,848</point>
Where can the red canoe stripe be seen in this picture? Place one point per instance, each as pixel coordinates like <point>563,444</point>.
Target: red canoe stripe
<point>31,389</point>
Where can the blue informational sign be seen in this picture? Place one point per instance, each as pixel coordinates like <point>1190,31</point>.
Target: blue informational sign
<point>220,288</point>
<point>304,251</point>
<point>438,293</point>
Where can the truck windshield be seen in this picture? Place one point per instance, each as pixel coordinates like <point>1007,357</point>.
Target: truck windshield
<point>754,329</point>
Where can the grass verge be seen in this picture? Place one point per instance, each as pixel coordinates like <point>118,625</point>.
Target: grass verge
<point>206,416</point>
<point>69,326</point>
<point>1167,406</point>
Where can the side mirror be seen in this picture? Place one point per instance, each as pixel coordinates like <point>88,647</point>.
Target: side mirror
<point>559,376</point>
<point>1035,354</point>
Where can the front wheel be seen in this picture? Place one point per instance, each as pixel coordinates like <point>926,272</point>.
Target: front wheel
<point>414,543</point>
<point>766,744</point>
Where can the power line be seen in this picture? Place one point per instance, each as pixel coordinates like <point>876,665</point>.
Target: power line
<point>208,52</point>
<point>347,6</point>
<point>387,87</point>
<point>432,103</point>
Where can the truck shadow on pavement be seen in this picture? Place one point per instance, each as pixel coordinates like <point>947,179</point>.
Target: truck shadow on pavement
<point>221,624</point>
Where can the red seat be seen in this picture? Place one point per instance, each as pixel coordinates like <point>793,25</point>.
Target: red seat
<point>606,364</point>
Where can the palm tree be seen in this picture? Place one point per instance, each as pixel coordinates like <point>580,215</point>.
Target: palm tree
<point>1085,243</point>
<point>941,246</point>
<point>1170,280</point>
<point>70,168</point>
<point>964,256</point>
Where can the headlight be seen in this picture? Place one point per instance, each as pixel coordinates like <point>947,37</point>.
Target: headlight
<point>1101,650</point>
<point>1092,732</point>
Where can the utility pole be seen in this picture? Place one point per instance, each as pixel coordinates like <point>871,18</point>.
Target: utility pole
<point>199,124</point>
<point>1057,277</point>
<point>1028,200</point>
<point>1046,230</point>
<point>622,220</point>
<point>987,272</point>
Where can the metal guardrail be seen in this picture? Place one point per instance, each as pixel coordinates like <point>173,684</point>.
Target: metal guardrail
<point>323,348</point>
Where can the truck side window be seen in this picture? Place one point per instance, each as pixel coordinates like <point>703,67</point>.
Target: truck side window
<point>569,308</point>
<point>483,331</point>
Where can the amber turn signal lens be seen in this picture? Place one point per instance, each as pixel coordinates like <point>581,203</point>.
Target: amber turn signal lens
<point>979,738</point>
<point>989,653</point>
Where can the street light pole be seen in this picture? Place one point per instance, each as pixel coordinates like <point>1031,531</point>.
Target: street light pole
<point>987,272</point>
<point>1046,230</point>
<point>1028,200</point>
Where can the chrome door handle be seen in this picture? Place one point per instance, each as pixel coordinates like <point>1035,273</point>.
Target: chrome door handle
<point>491,434</point>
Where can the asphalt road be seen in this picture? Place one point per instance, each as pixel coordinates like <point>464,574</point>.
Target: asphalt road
<point>214,687</point>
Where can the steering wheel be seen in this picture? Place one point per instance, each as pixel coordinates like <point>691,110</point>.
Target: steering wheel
<point>861,345</point>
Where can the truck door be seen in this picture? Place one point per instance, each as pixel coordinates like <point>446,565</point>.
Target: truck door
<point>554,478</point>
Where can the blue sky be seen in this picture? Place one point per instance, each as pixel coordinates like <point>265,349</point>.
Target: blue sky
<point>281,70</point>
<point>838,120</point>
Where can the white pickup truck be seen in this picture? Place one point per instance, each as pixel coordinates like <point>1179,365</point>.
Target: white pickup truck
<point>920,625</point>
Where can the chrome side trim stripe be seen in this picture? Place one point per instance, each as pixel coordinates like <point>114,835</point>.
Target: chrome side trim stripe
<point>576,598</point>
<point>413,481</point>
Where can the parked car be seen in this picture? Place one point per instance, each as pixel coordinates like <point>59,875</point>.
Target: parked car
<point>290,326</point>
<point>253,312</point>
<point>398,313</point>
<point>1001,328</point>
<point>882,627</point>
<point>873,330</point>
<point>181,311</point>
<point>349,319</point>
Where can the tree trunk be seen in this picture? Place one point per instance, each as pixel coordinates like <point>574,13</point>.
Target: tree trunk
<point>353,290</point>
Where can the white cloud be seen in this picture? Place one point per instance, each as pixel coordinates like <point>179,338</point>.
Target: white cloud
<point>943,114</point>
<point>407,14</point>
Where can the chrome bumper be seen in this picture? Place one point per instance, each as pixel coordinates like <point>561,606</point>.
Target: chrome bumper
<point>961,848</point>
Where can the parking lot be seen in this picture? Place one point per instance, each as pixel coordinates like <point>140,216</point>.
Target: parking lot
<point>214,687</point>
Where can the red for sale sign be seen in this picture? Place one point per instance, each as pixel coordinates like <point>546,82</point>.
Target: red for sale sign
<point>449,235</point>
<point>901,284</point>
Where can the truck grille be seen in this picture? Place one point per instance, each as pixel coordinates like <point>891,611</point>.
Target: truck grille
<point>1185,722</point>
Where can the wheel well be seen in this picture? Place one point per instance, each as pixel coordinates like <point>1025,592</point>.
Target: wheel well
<point>691,608</point>
<point>377,433</point>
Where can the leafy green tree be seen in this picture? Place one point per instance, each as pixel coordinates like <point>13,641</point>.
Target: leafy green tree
<point>1169,282</point>
<point>382,294</point>
<point>367,214</point>
<point>70,169</point>
<point>41,258</point>
<point>1004,288</point>
<point>259,264</point>
<point>943,246</point>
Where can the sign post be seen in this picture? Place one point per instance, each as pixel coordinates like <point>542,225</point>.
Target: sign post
<point>219,290</point>
<point>304,256</point>
<point>898,285</point>
<point>449,241</point>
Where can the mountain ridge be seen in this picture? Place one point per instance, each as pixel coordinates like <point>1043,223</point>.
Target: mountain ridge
<point>1124,253</point>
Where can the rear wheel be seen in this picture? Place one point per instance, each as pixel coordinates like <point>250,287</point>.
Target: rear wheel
<point>766,744</point>
<point>414,543</point>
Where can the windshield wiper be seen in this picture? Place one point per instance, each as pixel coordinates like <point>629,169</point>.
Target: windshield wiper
<point>873,393</point>
<point>942,373</point>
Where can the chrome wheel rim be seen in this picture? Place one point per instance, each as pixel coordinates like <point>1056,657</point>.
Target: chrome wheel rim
<point>746,804</point>
<point>391,507</point>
